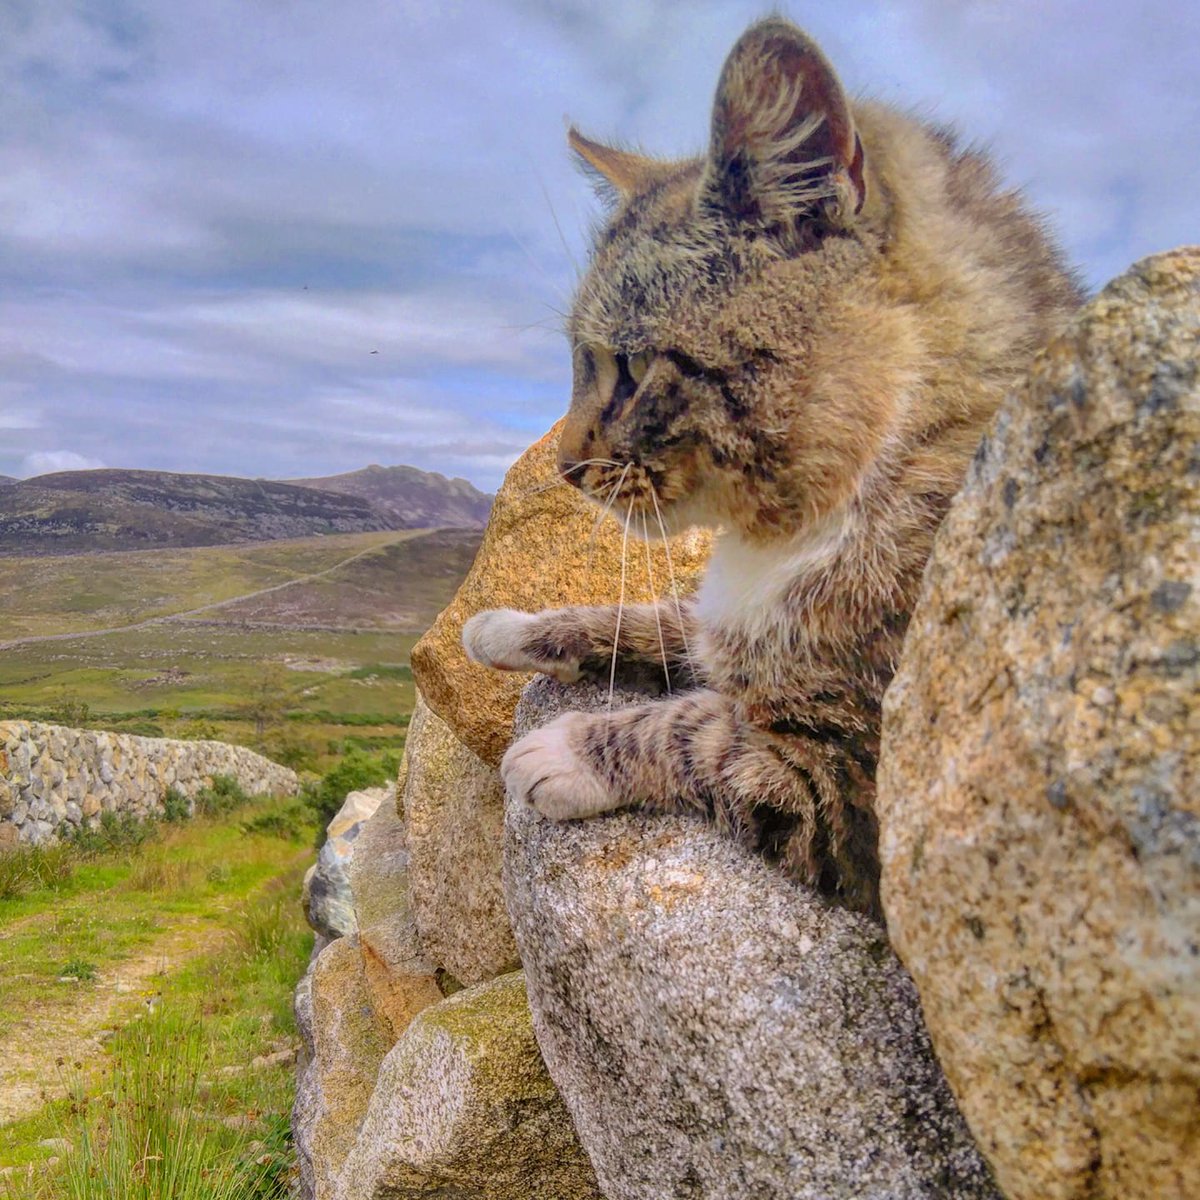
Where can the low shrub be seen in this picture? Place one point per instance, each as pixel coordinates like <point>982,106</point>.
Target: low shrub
<point>288,823</point>
<point>221,797</point>
<point>176,806</point>
<point>115,831</point>
<point>80,969</point>
<point>357,770</point>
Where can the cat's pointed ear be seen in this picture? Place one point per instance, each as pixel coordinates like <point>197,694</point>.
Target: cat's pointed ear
<point>619,170</point>
<point>784,147</point>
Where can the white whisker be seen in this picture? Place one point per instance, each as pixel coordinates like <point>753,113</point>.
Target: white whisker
<point>560,480</point>
<point>662,645</point>
<point>687,650</point>
<point>604,512</point>
<point>612,675</point>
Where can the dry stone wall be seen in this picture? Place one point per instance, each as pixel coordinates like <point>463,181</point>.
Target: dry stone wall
<point>54,778</point>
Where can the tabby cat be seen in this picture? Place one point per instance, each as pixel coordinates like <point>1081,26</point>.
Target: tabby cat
<point>799,340</point>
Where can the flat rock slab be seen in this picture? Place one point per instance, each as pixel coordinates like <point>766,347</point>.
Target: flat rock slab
<point>714,1030</point>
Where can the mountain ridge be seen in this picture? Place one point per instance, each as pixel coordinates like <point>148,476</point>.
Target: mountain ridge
<point>74,512</point>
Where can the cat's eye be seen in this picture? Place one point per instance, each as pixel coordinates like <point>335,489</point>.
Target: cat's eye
<point>639,364</point>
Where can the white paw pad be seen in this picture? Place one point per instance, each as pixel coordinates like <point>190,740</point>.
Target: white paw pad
<point>544,770</point>
<point>494,638</point>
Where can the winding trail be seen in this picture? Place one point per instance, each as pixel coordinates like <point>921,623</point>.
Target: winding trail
<point>29,640</point>
<point>73,1027</point>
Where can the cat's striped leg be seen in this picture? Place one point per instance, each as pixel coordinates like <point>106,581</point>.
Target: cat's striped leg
<point>791,797</point>
<point>566,643</point>
<point>688,752</point>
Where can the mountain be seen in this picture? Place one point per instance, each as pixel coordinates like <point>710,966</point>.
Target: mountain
<point>413,499</point>
<point>73,512</point>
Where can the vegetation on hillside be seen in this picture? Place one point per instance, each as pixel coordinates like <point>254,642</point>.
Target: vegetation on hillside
<point>71,512</point>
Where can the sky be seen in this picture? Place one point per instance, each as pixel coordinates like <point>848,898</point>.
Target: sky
<point>289,239</point>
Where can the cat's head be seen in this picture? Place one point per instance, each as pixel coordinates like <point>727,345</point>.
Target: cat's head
<point>722,336</point>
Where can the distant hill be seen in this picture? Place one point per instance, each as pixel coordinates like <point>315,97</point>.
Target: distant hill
<point>74,512</point>
<point>413,499</point>
<point>70,512</point>
<point>8,479</point>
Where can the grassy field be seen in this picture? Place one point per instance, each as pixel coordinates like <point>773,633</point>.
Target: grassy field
<point>299,673</point>
<point>314,692</point>
<point>185,948</point>
<point>77,592</point>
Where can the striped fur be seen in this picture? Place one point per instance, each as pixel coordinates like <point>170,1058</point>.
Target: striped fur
<point>797,339</point>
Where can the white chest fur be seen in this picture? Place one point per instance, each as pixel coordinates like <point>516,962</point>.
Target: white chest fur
<point>746,582</point>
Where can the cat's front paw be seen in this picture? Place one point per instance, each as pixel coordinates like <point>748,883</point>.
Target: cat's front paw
<point>507,640</point>
<point>545,770</point>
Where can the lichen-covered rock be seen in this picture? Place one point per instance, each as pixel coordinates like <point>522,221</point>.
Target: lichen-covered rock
<point>453,812</point>
<point>326,892</point>
<point>349,1040</point>
<point>716,1031</point>
<point>402,981</point>
<point>463,1108</point>
<point>1038,786</point>
<point>542,549</point>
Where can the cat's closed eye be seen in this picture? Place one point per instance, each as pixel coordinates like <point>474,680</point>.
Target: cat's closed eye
<point>616,374</point>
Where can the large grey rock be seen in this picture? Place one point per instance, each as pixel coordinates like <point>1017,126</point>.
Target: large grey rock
<point>346,1039</point>
<point>714,1030</point>
<point>1038,790</point>
<point>401,979</point>
<point>453,811</point>
<point>463,1110</point>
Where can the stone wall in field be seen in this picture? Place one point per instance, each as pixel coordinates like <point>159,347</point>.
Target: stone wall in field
<point>51,776</point>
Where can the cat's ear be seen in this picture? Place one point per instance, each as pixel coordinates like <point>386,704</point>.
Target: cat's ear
<point>620,173</point>
<point>784,148</point>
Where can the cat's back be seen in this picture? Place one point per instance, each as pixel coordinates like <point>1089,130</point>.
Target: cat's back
<point>960,245</point>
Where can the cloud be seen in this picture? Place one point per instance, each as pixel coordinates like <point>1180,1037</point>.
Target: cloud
<point>44,462</point>
<point>212,213</point>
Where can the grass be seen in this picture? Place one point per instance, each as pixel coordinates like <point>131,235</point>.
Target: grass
<point>195,870</point>
<point>189,1103</point>
<point>80,592</point>
<point>185,681</point>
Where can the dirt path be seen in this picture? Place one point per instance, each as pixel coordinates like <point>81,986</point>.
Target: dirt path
<point>13,643</point>
<point>72,1029</point>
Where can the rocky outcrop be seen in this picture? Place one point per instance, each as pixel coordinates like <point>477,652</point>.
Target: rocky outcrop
<point>716,1031</point>
<point>401,979</point>
<point>543,548</point>
<point>346,1041</point>
<point>53,778</point>
<point>325,895</point>
<point>453,806</point>
<point>1038,790</point>
<point>405,1092</point>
